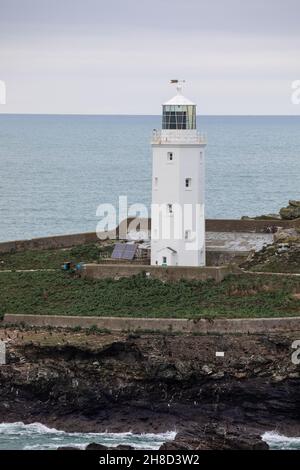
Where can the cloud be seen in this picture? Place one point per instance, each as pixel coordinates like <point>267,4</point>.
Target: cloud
<point>83,58</point>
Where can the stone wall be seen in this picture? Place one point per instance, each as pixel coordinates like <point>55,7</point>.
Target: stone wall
<point>237,225</point>
<point>181,325</point>
<point>67,241</point>
<point>44,243</point>
<point>171,273</point>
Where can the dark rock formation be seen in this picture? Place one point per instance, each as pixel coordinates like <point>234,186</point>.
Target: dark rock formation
<point>214,436</point>
<point>154,383</point>
<point>95,446</point>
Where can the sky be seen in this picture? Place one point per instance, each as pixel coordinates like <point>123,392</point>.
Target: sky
<point>117,56</point>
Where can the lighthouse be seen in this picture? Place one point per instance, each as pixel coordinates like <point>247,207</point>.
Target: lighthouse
<point>178,177</point>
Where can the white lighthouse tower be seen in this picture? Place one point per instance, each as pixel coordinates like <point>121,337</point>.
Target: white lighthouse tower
<point>177,219</point>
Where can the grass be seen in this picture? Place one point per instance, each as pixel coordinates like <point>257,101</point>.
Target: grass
<point>53,259</point>
<point>59,293</point>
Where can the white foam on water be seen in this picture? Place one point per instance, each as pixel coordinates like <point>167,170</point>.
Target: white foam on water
<point>38,436</point>
<point>21,428</point>
<point>51,447</point>
<point>278,441</point>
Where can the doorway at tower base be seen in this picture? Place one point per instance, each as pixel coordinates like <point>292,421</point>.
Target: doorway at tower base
<point>168,256</point>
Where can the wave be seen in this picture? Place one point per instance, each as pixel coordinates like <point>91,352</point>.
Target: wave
<point>278,441</point>
<point>38,436</point>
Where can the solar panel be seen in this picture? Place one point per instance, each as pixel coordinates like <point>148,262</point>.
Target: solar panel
<point>129,251</point>
<point>124,251</point>
<point>118,251</point>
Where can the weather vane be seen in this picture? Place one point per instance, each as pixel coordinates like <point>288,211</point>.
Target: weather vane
<point>179,84</point>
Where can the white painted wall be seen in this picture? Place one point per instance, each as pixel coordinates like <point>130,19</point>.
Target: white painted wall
<point>188,162</point>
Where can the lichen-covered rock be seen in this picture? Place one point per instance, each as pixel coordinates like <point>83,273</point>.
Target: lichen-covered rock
<point>292,211</point>
<point>262,217</point>
<point>285,235</point>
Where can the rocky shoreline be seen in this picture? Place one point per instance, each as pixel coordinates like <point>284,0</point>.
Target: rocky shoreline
<point>82,382</point>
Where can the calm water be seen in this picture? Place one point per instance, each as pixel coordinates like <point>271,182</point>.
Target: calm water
<point>56,170</point>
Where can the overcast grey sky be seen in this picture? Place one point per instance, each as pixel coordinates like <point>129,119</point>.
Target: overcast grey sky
<point>116,56</point>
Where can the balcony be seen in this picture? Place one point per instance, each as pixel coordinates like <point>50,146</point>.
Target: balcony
<point>185,137</point>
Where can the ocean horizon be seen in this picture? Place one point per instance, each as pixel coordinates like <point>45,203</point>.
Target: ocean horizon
<point>57,169</point>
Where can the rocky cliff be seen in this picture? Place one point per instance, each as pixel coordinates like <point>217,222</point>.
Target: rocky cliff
<point>153,383</point>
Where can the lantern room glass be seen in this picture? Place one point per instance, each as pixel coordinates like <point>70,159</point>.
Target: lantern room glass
<point>179,117</point>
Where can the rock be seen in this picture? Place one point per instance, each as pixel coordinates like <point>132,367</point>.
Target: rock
<point>206,369</point>
<point>95,446</point>
<point>67,448</point>
<point>278,378</point>
<point>281,257</point>
<point>124,447</point>
<point>130,395</point>
<point>262,217</point>
<point>284,235</point>
<point>240,375</point>
<point>99,447</point>
<point>268,217</point>
<point>292,211</point>
<point>294,375</point>
<point>217,437</point>
<point>218,375</point>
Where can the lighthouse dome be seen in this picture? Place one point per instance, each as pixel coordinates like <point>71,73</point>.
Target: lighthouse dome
<point>179,100</point>
<point>179,112</point>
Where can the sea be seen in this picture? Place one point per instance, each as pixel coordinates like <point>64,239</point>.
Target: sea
<point>56,170</point>
<point>36,436</point>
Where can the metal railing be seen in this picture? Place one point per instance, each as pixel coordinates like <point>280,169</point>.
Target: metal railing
<point>178,136</point>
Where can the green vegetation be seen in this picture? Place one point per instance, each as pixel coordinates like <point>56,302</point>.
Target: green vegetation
<point>53,259</point>
<point>61,294</point>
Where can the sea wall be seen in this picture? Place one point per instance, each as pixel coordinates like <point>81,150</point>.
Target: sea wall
<point>171,273</point>
<point>180,325</point>
<point>67,241</point>
<point>247,225</point>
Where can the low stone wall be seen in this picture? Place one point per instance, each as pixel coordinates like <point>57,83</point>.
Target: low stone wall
<point>67,241</point>
<point>45,243</point>
<point>247,225</point>
<point>171,273</point>
<point>180,325</point>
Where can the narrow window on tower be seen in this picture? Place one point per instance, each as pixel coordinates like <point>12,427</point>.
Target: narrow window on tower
<point>170,208</point>
<point>187,234</point>
<point>188,183</point>
<point>156,182</point>
<point>170,157</point>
